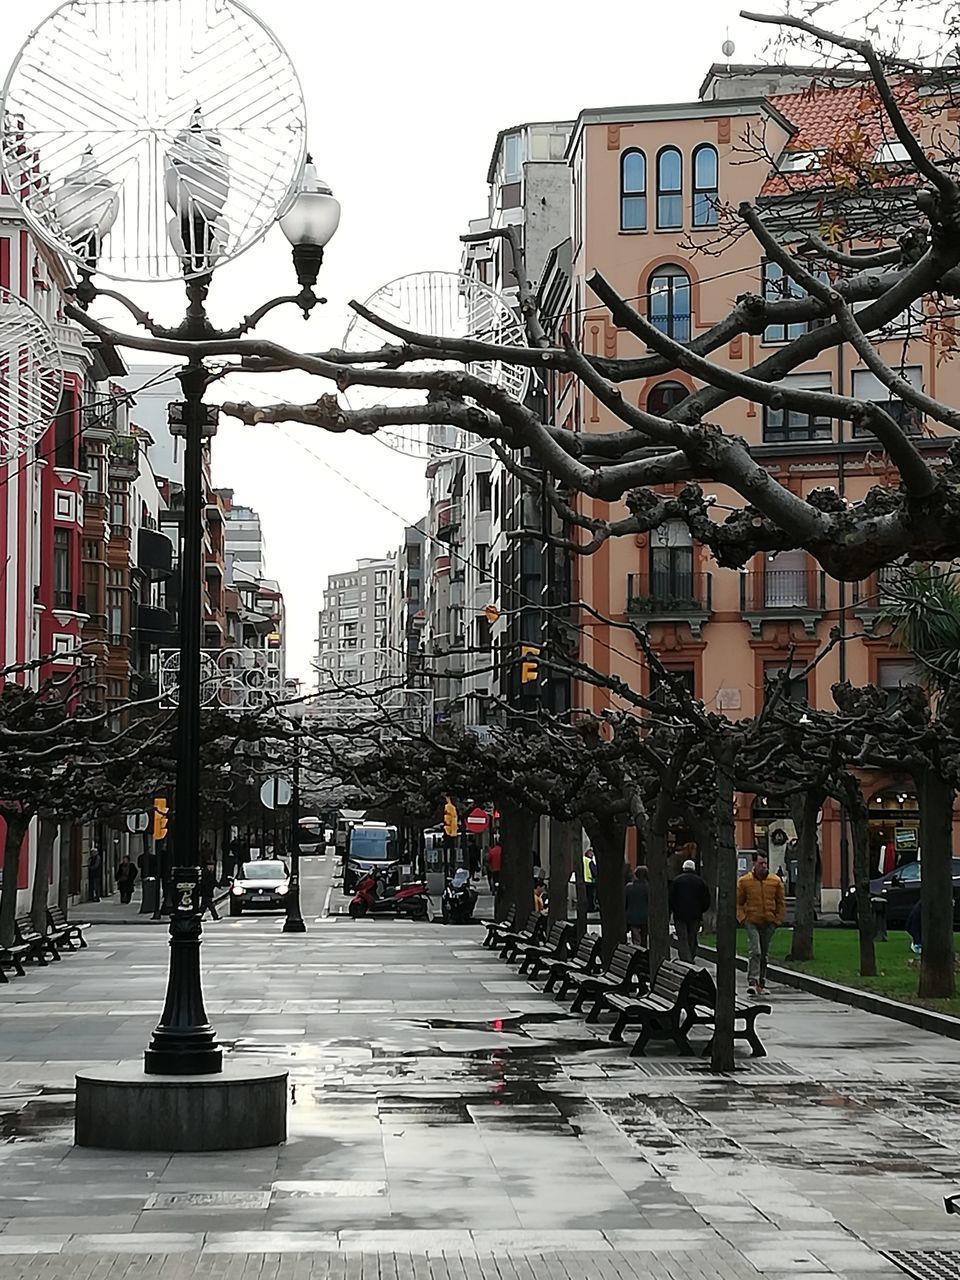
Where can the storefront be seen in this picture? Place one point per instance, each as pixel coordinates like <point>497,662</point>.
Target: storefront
<point>894,828</point>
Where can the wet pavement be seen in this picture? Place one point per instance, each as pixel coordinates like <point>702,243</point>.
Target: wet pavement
<point>446,1119</point>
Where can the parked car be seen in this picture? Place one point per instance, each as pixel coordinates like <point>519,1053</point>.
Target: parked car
<point>260,886</point>
<point>901,889</point>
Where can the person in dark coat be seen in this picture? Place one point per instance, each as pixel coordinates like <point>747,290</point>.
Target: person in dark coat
<point>208,883</point>
<point>95,874</point>
<point>689,902</point>
<point>126,878</point>
<point>637,894</point>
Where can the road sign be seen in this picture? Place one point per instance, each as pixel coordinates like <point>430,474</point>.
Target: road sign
<point>477,820</point>
<point>138,823</point>
<point>275,793</point>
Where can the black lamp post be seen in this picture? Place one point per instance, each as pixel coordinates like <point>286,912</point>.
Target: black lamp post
<point>294,921</point>
<point>197,184</point>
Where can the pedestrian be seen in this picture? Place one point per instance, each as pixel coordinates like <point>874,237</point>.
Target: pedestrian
<point>637,895</point>
<point>761,906</point>
<point>539,893</point>
<point>95,874</point>
<point>494,855</point>
<point>590,878</point>
<point>126,878</point>
<point>689,900</point>
<point>915,929</point>
<point>208,883</point>
<point>145,865</point>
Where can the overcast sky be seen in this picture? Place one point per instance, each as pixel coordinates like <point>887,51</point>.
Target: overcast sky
<point>404,102</point>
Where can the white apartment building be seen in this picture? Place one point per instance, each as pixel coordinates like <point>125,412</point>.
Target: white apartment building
<point>355,628</point>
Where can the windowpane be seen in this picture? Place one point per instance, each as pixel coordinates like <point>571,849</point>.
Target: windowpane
<point>634,173</point>
<point>664,396</point>
<point>705,189</point>
<point>669,188</point>
<point>671,173</point>
<point>633,191</point>
<point>633,213</point>
<point>669,302</point>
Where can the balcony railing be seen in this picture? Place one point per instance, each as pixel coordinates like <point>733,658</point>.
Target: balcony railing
<point>125,457</point>
<point>671,597</point>
<point>879,593</point>
<point>448,521</point>
<point>783,593</point>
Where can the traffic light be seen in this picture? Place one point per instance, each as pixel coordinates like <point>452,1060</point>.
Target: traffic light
<point>160,818</point>
<point>529,667</point>
<point>450,823</point>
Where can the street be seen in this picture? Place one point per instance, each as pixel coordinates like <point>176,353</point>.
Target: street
<point>439,1105</point>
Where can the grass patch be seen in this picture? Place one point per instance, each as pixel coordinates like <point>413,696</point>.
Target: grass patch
<point>837,958</point>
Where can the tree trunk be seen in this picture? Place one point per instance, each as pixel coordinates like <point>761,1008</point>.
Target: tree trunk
<point>705,836</point>
<point>855,808</point>
<point>46,835</point>
<point>580,885</point>
<point>65,864</point>
<point>721,1054</point>
<point>936,885</point>
<point>564,847</point>
<point>17,826</point>
<point>658,917</point>
<point>805,808</point>
<point>516,859</point>
<point>608,833</point>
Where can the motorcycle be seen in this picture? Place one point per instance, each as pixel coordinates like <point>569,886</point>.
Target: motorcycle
<point>371,899</point>
<point>459,899</point>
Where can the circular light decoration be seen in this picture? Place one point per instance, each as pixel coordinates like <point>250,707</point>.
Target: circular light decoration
<point>31,376</point>
<point>231,679</point>
<point>152,138</point>
<point>446,305</point>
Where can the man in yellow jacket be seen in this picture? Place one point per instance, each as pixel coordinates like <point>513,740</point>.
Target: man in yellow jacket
<point>761,906</point>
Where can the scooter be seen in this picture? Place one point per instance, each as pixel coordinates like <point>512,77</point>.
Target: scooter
<point>409,900</point>
<point>459,899</point>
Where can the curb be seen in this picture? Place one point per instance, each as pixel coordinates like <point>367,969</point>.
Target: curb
<point>941,1024</point>
<point>136,920</point>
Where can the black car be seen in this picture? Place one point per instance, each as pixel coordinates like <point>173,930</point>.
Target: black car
<point>260,886</point>
<point>901,889</point>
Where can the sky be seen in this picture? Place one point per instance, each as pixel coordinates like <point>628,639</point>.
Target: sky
<point>404,102</point>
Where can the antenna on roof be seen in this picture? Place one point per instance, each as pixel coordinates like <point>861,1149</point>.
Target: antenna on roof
<point>728,47</point>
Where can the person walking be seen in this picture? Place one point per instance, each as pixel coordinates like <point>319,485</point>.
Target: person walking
<point>208,883</point>
<point>689,902</point>
<point>494,854</point>
<point>590,878</point>
<point>637,896</point>
<point>761,906</point>
<point>95,874</point>
<point>126,878</point>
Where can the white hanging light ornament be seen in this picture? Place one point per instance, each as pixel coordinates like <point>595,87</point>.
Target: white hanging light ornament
<point>31,376</point>
<point>96,132</point>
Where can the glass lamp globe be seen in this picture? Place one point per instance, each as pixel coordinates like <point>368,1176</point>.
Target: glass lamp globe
<point>196,185</point>
<point>314,215</point>
<point>86,205</point>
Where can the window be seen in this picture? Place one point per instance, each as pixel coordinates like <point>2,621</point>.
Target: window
<point>706,188</point>
<point>662,690</point>
<point>891,153</point>
<point>484,498</point>
<point>512,157</point>
<point>785,581</point>
<point>798,161</point>
<point>669,302</point>
<point>115,615</point>
<point>866,386</point>
<point>795,688</point>
<point>633,191</point>
<point>891,676</point>
<point>62,596</point>
<point>483,559</point>
<point>671,562</point>
<point>118,508</point>
<point>669,189</point>
<point>413,552</point>
<point>665,396</point>
<point>786,426</point>
<point>779,287</point>
<point>64,434</point>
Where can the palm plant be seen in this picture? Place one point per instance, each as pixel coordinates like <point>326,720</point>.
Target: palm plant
<point>928,623</point>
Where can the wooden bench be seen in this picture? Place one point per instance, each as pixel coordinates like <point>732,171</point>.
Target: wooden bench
<point>555,947</point>
<point>626,971</point>
<point>72,930</point>
<point>531,932</point>
<point>587,960</point>
<point>702,1008</point>
<point>663,1011</point>
<point>14,956</point>
<point>495,928</point>
<point>38,944</point>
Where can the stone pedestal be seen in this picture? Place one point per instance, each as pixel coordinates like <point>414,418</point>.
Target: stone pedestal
<point>124,1109</point>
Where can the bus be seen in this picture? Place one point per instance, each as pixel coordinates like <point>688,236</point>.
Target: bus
<point>372,846</point>
<point>312,835</point>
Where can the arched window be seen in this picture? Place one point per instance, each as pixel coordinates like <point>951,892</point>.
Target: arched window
<point>705,186</point>
<point>669,189</point>
<point>662,397</point>
<point>633,191</point>
<point>669,302</point>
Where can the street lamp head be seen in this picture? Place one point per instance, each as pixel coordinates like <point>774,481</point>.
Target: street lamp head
<point>196,185</point>
<point>309,224</point>
<point>86,206</point>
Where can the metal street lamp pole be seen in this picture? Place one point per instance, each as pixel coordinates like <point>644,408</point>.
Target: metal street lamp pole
<point>294,921</point>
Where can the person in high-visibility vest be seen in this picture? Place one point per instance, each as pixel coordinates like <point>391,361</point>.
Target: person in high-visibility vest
<point>590,878</point>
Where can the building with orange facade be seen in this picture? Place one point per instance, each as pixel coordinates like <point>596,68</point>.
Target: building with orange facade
<point>647,184</point>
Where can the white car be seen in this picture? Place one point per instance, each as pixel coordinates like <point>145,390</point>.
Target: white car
<point>260,886</point>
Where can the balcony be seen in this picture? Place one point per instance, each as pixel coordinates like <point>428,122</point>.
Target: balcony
<point>448,521</point>
<point>124,457</point>
<point>671,597</point>
<point>877,597</point>
<point>795,595</point>
<point>154,626</point>
<point>154,554</point>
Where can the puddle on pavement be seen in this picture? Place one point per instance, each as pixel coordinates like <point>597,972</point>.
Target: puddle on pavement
<point>45,1112</point>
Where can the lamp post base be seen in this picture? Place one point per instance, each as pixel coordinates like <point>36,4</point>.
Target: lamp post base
<point>124,1109</point>
<point>294,921</point>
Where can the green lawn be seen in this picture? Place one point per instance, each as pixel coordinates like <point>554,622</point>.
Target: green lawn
<point>837,958</point>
